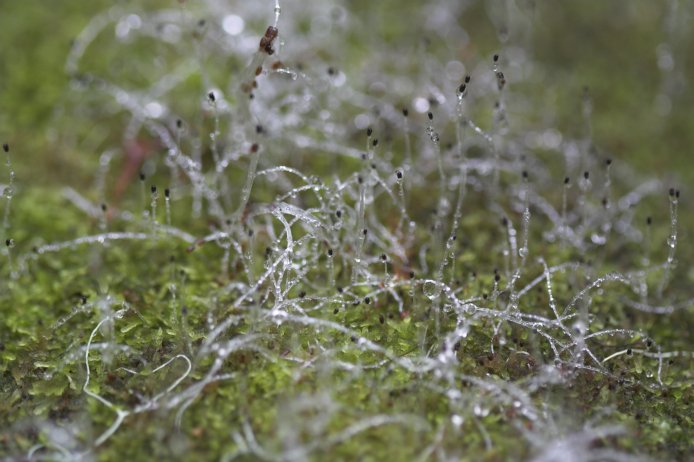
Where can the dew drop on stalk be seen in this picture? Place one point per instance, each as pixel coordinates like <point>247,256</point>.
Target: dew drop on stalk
<point>431,290</point>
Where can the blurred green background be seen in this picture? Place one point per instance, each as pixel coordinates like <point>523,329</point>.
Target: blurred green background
<point>611,47</point>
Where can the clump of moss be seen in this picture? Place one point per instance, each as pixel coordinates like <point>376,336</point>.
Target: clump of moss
<point>296,261</point>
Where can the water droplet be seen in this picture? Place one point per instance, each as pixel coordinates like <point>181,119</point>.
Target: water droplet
<point>432,290</point>
<point>480,411</point>
<point>598,239</point>
<point>580,327</point>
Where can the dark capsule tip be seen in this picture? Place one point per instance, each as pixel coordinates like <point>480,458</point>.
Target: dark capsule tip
<point>211,96</point>
<point>103,207</point>
<point>6,147</point>
<point>365,231</point>
<point>567,180</point>
<point>411,274</point>
<point>467,79</point>
<point>398,174</point>
<point>430,115</point>
<point>496,58</point>
<point>497,278</point>
<point>8,242</point>
<point>142,176</point>
<point>608,162</point>
<point>384,257</point>
<point>153,188</point>
<point>369,131</point>
<point>649,221</point>
<point>672,192</point>
<point>461,88</point>
<point>259,129</point>
<point>405,112</point>
<point>167,193</point>
<point>525,174</point>
<point>375,142</point>
<point>330,252</point>
<point>586,175</point>
<point>179,123</point>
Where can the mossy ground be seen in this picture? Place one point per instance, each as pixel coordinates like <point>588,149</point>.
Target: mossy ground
<point>57,135</point>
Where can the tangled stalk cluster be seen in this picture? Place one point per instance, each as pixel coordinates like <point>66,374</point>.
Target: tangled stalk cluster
<point>345,259</point>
